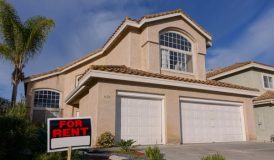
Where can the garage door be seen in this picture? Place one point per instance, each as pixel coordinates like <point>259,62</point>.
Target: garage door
<point>139,119</point>
<point>205,121</point>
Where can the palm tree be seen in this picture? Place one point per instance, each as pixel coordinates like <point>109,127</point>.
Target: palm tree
<point>20,41</point>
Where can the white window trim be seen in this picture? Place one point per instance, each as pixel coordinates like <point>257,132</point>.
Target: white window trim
<point>176,71</point>
<point>177,50</point>
<point>44,108</point>
<point>47,109</point>
<point>268,75</point>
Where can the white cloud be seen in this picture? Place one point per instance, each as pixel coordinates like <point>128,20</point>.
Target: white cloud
<point>255,43</point>
<point>81,27</point>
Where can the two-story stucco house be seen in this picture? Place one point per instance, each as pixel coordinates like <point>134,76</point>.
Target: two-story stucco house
<point>255,75</point>
<point>148,83</point>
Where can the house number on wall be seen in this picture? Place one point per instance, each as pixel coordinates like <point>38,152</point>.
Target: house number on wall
<point>107,96</point>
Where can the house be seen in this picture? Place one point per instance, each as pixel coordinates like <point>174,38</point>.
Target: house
<point>255,75</point>
<point>148,83</point>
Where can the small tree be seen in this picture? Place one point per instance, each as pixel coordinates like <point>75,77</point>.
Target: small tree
<point>20,40</point>
<point>126,145</point>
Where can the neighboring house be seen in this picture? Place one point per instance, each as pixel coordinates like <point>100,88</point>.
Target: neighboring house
<point>148,83</point>
<point>255,75</point>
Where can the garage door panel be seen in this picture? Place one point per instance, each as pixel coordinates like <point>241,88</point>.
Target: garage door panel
<point>140,119</point>
<point>207,122</point>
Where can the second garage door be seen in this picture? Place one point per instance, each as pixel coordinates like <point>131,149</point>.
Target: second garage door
<point>205,121</point>
<point>139,119</point>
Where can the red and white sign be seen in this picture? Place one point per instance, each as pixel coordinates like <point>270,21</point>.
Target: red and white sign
<point>69,132</point>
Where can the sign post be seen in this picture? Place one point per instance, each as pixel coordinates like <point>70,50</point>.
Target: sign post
<point>69,153</point>
<point>69,133</point>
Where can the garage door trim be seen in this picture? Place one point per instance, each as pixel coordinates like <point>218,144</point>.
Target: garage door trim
<point>148,96</point>
<point>140,95</point>
<point>212,101</point>
<point>185,99</point>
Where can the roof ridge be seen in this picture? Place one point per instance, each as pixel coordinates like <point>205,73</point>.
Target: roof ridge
<point>230,67</point>
<point>60,68</point>
<point>116,30</point>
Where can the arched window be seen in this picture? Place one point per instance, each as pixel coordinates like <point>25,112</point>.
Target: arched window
<point>176,52</point>
<point>46,98</point>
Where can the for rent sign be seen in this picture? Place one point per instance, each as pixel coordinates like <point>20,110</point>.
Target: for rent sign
<point>68,132</point>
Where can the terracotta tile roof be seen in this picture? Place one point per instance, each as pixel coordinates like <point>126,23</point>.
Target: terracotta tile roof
<point>116,30</point>
<point>148,16</point>
<point>44,73</point>
<point>126,70</point>
<point>265,96</point>
<point>58,69</point>
<point>232,67</point>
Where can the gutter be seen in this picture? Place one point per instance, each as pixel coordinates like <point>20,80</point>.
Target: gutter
<point>267,101</point>
<point>74,93</point>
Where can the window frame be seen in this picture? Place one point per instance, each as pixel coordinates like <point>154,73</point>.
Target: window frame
<point>46,108</point>
<point>182,52</point>
<point>263,82</point>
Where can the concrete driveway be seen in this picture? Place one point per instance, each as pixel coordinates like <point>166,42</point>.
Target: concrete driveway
<point>232,151</point>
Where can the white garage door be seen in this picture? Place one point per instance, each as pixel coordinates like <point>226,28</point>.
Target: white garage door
<point>139,119</point>
<point>206,122</point>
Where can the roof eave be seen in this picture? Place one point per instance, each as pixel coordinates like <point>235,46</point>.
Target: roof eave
<point>134,78</point>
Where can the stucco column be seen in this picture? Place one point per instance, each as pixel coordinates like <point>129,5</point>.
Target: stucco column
<point>106,109</point>
<point>172,112</point>
<point>249,121</point>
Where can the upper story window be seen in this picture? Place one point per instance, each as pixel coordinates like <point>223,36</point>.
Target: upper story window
<point>46,99</point>
<point>268,81</point>
<point>176,52</point>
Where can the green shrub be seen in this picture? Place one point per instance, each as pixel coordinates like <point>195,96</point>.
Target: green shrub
<point>19,111</point>
<point>19,138</point>
<point>106,140</point>
<point>126,145</point>
<point>154,153</point>
<point>76,155</point>
<point>52,156</point>
<point>213,157</point>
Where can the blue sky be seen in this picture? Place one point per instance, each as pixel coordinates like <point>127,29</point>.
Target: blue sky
<point>242,29</point>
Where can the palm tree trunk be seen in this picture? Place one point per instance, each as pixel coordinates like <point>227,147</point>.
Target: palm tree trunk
<point>14,93</point>
<point>16,77</point>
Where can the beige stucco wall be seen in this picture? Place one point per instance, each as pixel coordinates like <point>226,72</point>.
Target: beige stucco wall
<point>135,48</point>
<point>106,106</point>
<point>151,50</point>
<point>55,83</point>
